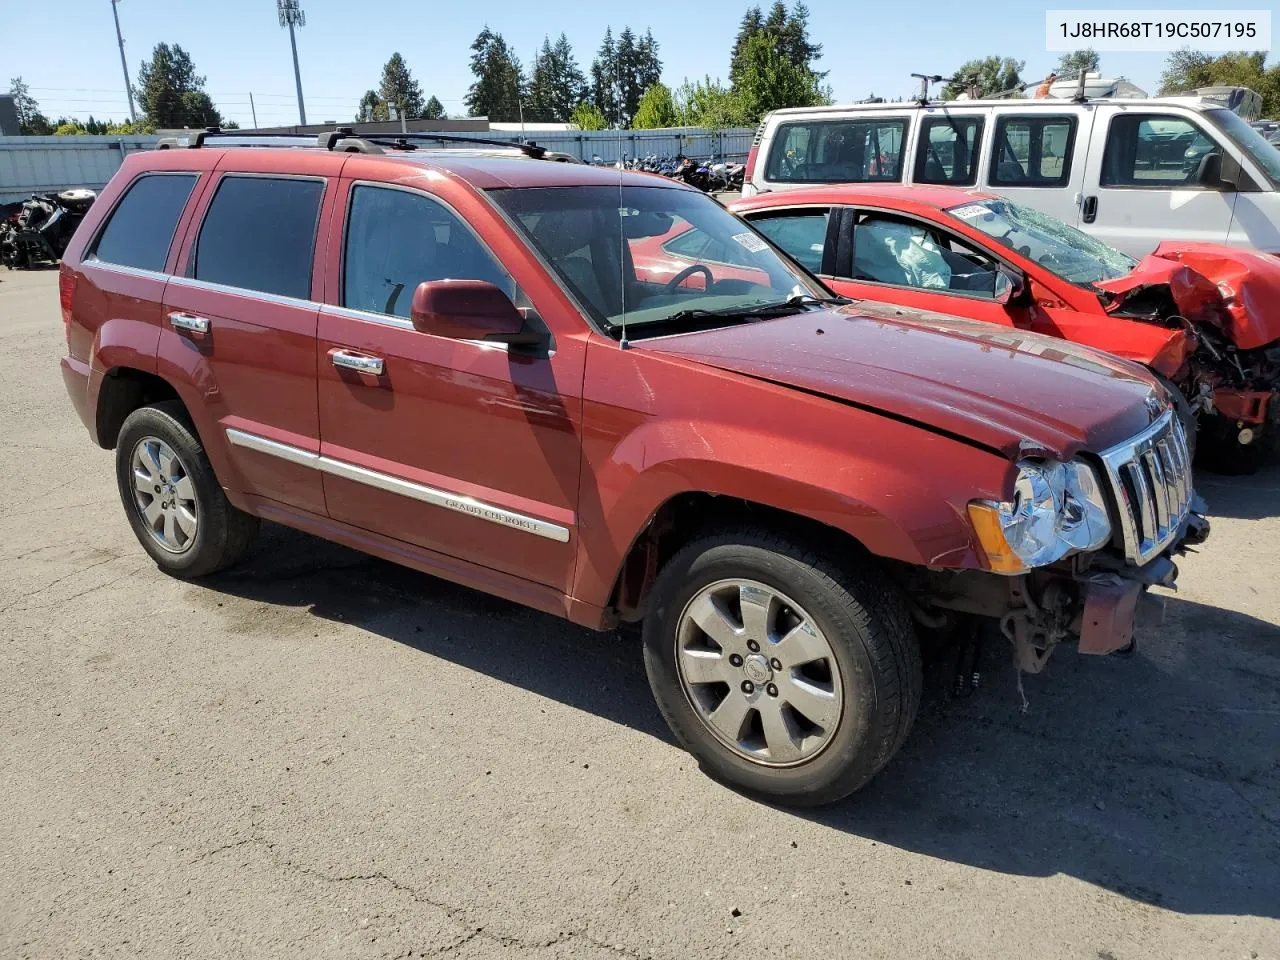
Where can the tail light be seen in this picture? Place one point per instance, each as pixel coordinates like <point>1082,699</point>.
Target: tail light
<point>66,294</point>
<point>749,174</point>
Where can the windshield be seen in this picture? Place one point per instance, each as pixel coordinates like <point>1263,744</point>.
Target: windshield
<point>1061,249</point>
<point>655,256</point>
<point>1264,154</point>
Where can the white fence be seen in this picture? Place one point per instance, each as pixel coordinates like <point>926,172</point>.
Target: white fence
<point>45,164</point>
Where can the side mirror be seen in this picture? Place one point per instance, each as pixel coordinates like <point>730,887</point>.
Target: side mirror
<point>1009,286</point>
<point>1209,173</point>
<point>467,310</point>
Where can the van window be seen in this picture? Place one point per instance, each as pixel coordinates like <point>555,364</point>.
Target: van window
<point>948,151</point>
<point>802,233</point>
<point>397,240</point>
<point>1154,151</point>
<point>1032,151</point>
<point>260,234</point>
<point>141,227</point>
<point>838,151</point>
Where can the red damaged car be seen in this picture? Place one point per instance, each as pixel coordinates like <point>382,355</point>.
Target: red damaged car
<point>1205,317</point>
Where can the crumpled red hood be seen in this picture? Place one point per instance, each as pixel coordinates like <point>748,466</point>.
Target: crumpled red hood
<point>1236,290</point>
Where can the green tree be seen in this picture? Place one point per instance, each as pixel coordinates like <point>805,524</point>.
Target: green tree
<point>398,89</point>
<point>433,110</point>
<point>371,108</point>
<point>499,85</point>
<point>31,122</point>
<point>770,80</point>
<point>751,24</point>
<point>542,83</point>
<point>1070,65</point>
<point>604,80</point>
<point>794,42</point>
<point>657,109</point>
<point>1185,70</point>
<point>587,116</point>
<point>170,92</point>
<point>709,103</point>
<point>557,84</point>
<point>989,75</point>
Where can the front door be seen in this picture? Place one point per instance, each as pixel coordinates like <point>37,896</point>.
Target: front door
<point>469,449</point>
<point>1143,181</point>
<point>240,323</point>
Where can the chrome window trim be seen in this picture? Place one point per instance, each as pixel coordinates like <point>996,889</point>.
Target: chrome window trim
<point>434,496</point>
<point>93,261</point>
<point>400,323</point>
<point>246,292</point>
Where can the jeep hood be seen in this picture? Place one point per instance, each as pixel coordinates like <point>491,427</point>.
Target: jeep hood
<point>1007,390</point>
<point>1237,291</point>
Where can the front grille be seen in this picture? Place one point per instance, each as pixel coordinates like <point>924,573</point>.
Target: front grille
<point>1150,476</point>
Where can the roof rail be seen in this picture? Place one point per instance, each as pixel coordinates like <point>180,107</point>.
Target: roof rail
<point>341,139</point>
<point>401,141</point>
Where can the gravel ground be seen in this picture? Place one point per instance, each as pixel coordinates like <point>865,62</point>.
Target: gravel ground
<point>320,754</point>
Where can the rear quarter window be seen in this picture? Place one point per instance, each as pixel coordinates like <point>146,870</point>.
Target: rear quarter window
<point>140,229</point>
<point>838,151</point>
<point>260,234</point>
<point>1032,151</point>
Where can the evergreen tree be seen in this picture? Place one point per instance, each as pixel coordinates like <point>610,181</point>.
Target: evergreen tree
<point>751,24</point>
<point>569,85</point>
<point>170,92</point>
<point>770,80</point>
<point>604,80</point>
<point>31,122</point>
<point>398,89</point>
<point>434,109</point>
<point>629,89</point>
<point>371,108</point>
<point>499,85</point>
<point>648,64</point>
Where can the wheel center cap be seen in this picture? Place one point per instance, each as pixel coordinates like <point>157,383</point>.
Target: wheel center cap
<point>757,669</point>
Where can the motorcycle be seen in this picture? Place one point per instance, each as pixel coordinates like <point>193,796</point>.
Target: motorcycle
<point>41,227</point>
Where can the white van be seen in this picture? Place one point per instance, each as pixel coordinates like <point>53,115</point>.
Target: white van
<point>1131,172</point>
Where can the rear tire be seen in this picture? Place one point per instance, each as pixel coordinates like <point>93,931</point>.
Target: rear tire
<point>790,745</point>
<point>173,500</point>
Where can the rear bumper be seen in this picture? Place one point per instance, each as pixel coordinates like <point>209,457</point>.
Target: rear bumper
<point>75,374</point>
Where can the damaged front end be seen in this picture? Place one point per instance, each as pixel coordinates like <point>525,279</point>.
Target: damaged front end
<point>1229,301</point>
<point>1090,592</point>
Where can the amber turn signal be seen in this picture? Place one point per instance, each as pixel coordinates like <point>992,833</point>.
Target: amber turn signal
<point>986,524</point>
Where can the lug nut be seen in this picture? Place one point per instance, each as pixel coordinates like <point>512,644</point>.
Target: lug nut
<point>775,663</point>
<point>772,689</point>
<point>735,659</point>
<point>157,489</point>
<point>753,646</point>
<point>748,686</point>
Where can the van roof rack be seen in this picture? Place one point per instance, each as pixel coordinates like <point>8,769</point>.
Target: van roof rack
<point>342,139</point>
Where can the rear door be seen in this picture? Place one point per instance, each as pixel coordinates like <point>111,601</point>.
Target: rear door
<point>1038,158</point>
<point>1143,177</point>
<point>240,323</point>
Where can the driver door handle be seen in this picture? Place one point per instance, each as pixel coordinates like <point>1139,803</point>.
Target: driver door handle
<point>1089,211</point>
<point>346,360</point>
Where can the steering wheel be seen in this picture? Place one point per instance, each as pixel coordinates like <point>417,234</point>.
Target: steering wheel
<point>685,274</point>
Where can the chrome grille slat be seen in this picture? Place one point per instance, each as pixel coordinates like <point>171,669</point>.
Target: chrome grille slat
<point>1150,479</point>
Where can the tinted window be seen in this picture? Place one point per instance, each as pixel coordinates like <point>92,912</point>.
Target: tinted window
<point>1149,150</point>
<point>801,234</point>
<point>948,151</point>
<point>1032,151</point>
<point>260,234</point>
<point>397,240</point>
<point>838,151</point>
<point>909,254</point>
<point>141,228</point>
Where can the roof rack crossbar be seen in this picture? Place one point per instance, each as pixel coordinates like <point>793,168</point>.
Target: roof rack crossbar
<point>344,138</point>
<point>529,149</point>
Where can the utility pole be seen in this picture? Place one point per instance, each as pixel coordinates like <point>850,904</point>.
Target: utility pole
<point>253,110</point>
<point>291,15</point>
<point>128,87</point>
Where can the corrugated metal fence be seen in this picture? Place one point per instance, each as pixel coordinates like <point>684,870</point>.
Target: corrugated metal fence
<point>46,164</point>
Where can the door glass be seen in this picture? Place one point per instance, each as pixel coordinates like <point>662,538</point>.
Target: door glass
<point>948,151</point>
<point>260,234</point>
<point>801,234</point>
<point>838,151</point>
<point>141,228</point>
<point>1154,151</point>
<point>1032,151</point>
<point>397,240</point>
<point>908,254</point>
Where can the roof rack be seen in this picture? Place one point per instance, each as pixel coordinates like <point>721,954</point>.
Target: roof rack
<point>342,139</point>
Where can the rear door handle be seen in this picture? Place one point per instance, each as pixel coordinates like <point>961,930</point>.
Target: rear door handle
<point>1089,212</point>
<point>189,323</point>
<point>357,361</point>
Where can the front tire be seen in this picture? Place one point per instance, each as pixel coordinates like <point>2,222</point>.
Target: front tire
<point>173,500</point>
<point>787,674</point>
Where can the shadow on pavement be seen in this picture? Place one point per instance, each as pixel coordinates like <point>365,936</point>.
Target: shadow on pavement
<point>1249,497</point>
<point>1157,777</point>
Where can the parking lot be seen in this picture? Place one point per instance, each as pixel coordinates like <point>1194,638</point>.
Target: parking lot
<point>320,754</point>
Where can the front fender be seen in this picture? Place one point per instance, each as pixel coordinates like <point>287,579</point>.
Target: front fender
<point>898,489</point>
<point>1163,349</point>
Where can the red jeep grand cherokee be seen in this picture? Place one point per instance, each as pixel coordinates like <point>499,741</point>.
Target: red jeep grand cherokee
<point>447,359</point>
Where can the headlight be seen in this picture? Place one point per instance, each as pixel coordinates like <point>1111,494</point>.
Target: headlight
<point>1057,509</point>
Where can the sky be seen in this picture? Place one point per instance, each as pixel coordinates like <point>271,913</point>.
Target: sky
<point>65,50</point>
